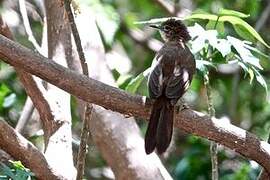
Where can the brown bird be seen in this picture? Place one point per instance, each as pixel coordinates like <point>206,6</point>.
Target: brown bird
<point>170,77</point>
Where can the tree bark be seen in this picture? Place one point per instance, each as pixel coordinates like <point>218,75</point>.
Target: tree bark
<point>115,99</point>
<point>110,130</point>
<point>59,148</point>
<point>20,148</point>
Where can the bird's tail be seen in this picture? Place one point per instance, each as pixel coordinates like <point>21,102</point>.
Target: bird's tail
<point>159,131</point>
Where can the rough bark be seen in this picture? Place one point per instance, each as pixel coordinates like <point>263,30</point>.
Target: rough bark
<point>19,147</point>
<point>115,99</point>
<point>110,130</point>
<point>59,148</point>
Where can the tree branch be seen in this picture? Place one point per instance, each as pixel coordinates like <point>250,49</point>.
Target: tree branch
<point>26,115</point>
<point>115,99</point>
<point>20,148</point>
<point>110,130</point>
<point>88,107</point>
<point>27,27</point>
<point>33,90</point>
<point>59,149</point>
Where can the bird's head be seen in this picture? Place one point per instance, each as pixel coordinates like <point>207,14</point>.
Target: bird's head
<point>173,30</point>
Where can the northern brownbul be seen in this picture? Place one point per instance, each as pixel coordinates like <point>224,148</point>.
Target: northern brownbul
<point>170,76</point>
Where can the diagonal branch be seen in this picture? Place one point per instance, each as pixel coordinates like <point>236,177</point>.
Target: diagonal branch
<point>20,148</point>
<point>32,88</point>
<point>115,99</point>
<point>88,107</point>
<point>27,27</point>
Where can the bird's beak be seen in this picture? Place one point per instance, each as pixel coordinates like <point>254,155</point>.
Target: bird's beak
<point>155,26</point>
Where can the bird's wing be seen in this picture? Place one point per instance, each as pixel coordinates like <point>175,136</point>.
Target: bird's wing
<point>177,84</point>
<point>181,77</point>
<point>155,79</point>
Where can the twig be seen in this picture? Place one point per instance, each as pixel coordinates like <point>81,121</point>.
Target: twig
<point>83,143</point>
<point>211,112</point>
<point>112,98</point>
<point>26,115</point>
<point>88,107</point>
<point>213,145</point>
<point>76,36</point>
<point>27,26</point>
<point>35,92</point>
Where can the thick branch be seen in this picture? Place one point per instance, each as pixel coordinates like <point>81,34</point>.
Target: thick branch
<point>110,131</point>
<point>115,99</point>
<point>59,150</point>
<point>21,149</point>
<point>35,92</point>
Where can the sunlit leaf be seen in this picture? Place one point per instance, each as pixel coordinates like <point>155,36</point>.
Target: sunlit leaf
<point>260,79</point>
<point>251,75</point>
<point>4,91</point>
<point>205,16</point>
<point>123,80</point>
<point>201,37</point>
<point>228,12</point>
<point>244,67</point>
<point>257,51</point>
<point>244,53</point>
<point>195,30</point>
<point>242,28</point>
<point>223,46</point>
<point>201,65</point>
<point>219,26</point>
<point>135,83</point>
<point>9,100</point>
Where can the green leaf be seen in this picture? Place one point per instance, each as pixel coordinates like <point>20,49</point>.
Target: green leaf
<point>219,26</point>
<point>223,46</point>
<point>244,67</point>
<point>260,79</point>
<point>4,169</point>
<point>123,81</point>
<point>200,37</point>
<point>241,27</point>
<point>224,12</point>
<point>4,91</point>
<point>244,53</point>
<point>257,51</point>
<point>251,75</point>
<point>17,164</point>
<point>204,16</point>
<point>9,100</point>
<point>135,83</point>
<point>201,65</point>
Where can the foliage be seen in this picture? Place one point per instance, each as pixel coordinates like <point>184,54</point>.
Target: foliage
<point>224,50</point>
<point>212,47</point>
<point>15,171</point>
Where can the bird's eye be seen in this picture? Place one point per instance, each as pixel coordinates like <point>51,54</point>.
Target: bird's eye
<point>166,28</point>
